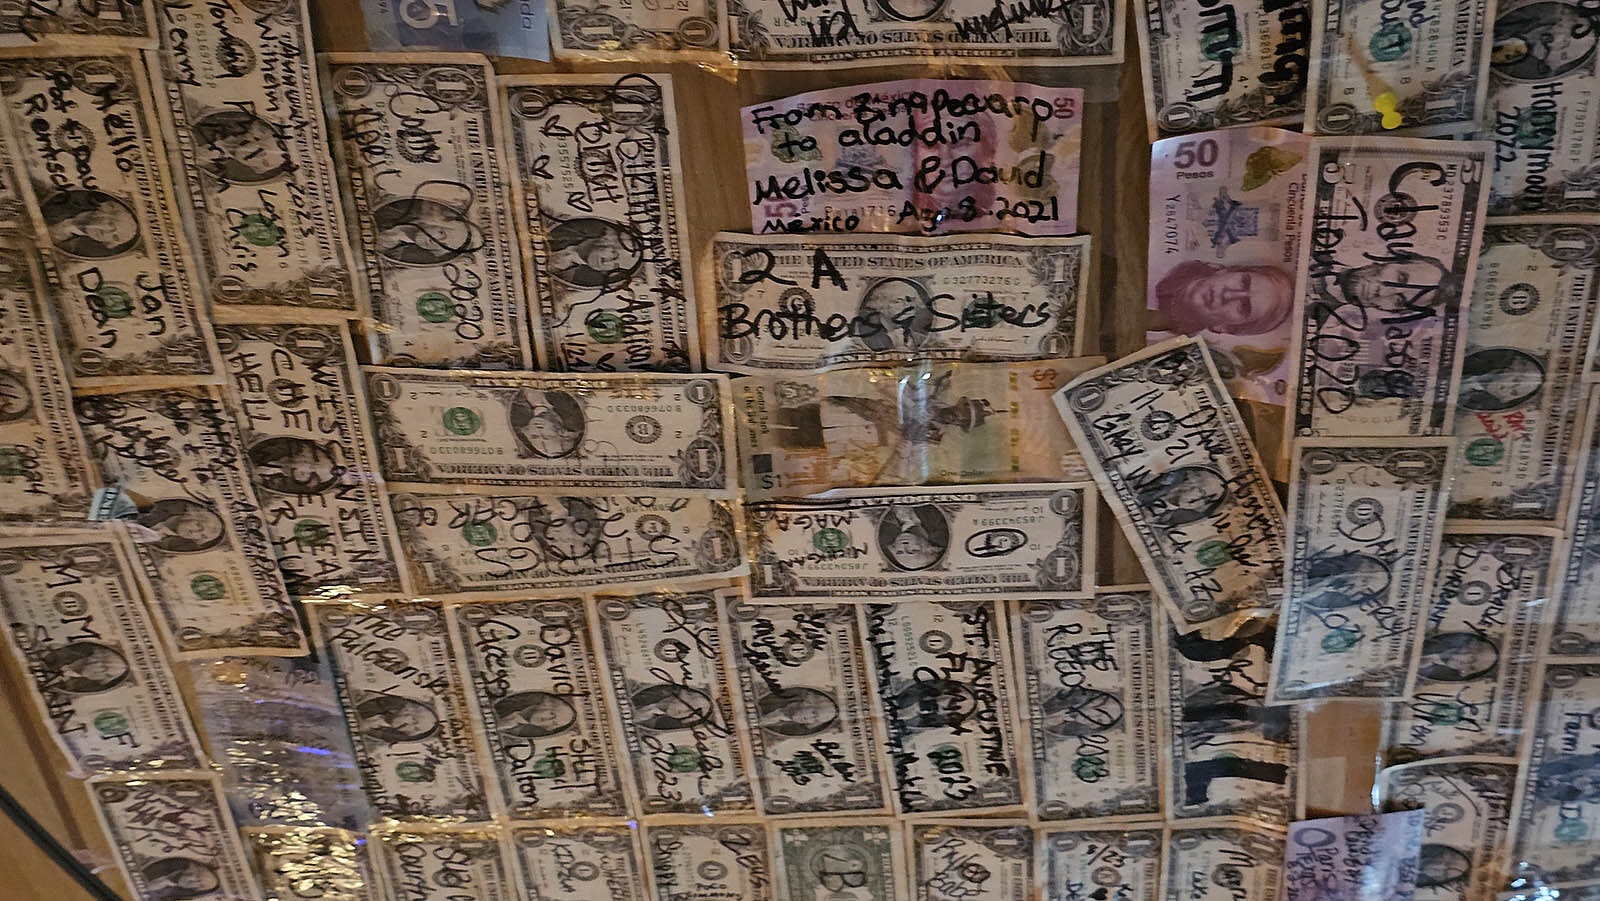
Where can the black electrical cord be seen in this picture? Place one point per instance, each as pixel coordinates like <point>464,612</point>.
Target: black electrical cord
<point>53,849</point>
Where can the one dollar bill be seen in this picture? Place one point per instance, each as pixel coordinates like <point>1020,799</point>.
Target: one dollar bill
<point>951,861</point>
<point>126,22</point>
<point>1166,445</point>
<point>579,860</point>
<point>1465,802</point>
<point>1576,630</point>
<point>1123,862</point>
<point>1012,541</point>
<point>173,836</point>
<point>1366,515</point>
<point>824,860</point>
<point>301,863</point>
<point>709,858</point>
<point>466,863</point>
<point>1222,860</point>
<point>1557,820</point>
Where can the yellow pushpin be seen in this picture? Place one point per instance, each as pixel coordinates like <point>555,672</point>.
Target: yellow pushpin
<point>1385,104</point>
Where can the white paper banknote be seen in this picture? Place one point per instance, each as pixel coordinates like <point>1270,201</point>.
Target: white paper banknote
<point>173,837</point>
<point>1011,541</point>
<point>1175,464</point>
<point>476,547</point>
<point>817,301</point>
<point>1090,683</point>
<point>1364,856</point>
<point>1367,514</point>
<point>420,143</point>
<point>599,184</point>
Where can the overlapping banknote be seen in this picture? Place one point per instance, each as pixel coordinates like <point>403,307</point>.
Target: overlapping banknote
<point>1576,628</point>
<point>174,464</point>
<point>536,679</point>
<point>1120,861</point>
<point>917,155</point>
<point>672,692</point>
<point>1009,541</point>
<point>953,860</point>
<point>599,181</point>
<point>616,28</point>
<point>307,446</point>
<point>1375,71</point>
<point>406,707</point>
<point>1357,856</point>
<point>1210,66</point>
<point>812,302</point>
<point>420,142</point>
<point>805,689</point>
<point>302,863</point>
<point>95,180</point>
<point>1385,275</point>
<point>1543,112</point>
<point>74,602</point>
<point>1222,860</point>
<point>474,547</point>
<point>1520,401</point>
<point>575,860</point>
<point>128,22</point>
<point>944,683</point>
<point>1367,516</point>
<point>821,860</point>
<point>709,857</point>
<point>1556,815</point>
<point>45,473</point>
<point>1089,682</point>
<point>1166,445</point>
<point>246,119</point>
<point>172,836</point>
<point>466,863</point>
<point>657,431</point>
<point>498,29</point>
<point>1475,667</point>
<point>801,434</point>
<point>1465,802</point>
<point>1230,753</point>
<point>856,33</point>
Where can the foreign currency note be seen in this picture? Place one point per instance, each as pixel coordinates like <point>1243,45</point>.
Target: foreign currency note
<point>1465,800</point>
<point>536,680</point>
<point>434,864</point>
<point>124,22</point>
<point>273,722</point>
<point>954,861</point>
<point>74,603</point>
<point>419,139</point>
<point>916,155</point>
<point>805,691</point>
<point>308,449</point>
<point>520,29</point>
<point>1374,70</point>
<point>856,859</point>
<point>818,301</point>
<point>96,186</point>
<point>943,678</point>
<point>1480,638</point>
<point>1520,401</point>
<point>174,461</point>
<point>1174,462</point>
<point>671,688</point>
<point>579,861</point>
<point>1226,214</point>
<point>1229,753</point>
<point>709,858</point>
<point>547,430</point>
<point>1211,66</point>
<point>1576,630</point>
<point>1367,857</point>
<point>474,547</point>
<point>1544,107</point>
<point>1117,863</point>
<point>618,29</point>
<point>406,708</point>
<point>840,33</point>
<point>1385,273</point>
<point>599,188</point>
<point>1012,541</point>
<point>1087,671</point>
<point>1557,817</point>
<point>301,864</point>
<point>173,837</point>
<point>1222,860</point>
<point>803,433</point>
<point>246,116</point>
<point>1367,515</point>
<point>45,473</point>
